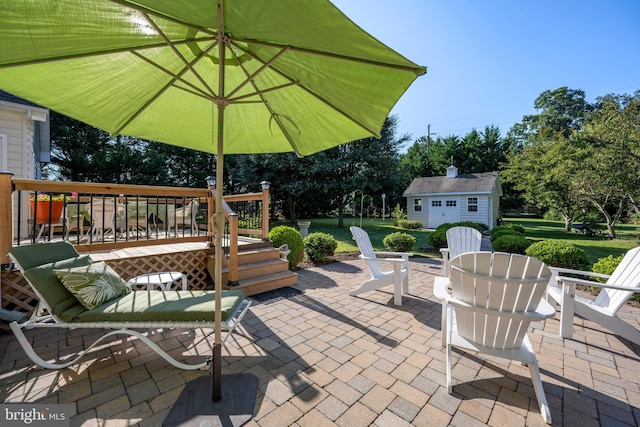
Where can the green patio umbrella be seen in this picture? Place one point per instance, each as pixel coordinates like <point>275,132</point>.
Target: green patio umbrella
<point>234,76</point>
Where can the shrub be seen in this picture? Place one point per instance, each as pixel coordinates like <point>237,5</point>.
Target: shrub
<point>438,239</point>
<point>284,234</point>
<point>513,243</point>
<point>555,253</point>
<point>398,215</point>
<point>319,246</point>
<point>410,225</point>
<point>606,265</point>
<point>399,242</point>
<point>503,232</point>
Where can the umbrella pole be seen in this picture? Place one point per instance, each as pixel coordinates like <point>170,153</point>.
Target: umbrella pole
<point>219,229</point>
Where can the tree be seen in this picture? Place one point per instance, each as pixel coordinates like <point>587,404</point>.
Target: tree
<point>542,161</point>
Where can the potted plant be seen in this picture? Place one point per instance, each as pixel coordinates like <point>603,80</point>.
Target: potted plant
<point>47,208</point>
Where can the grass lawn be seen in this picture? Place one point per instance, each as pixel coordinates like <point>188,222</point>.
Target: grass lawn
<point>596,247</point>
<point>536,229</point>
<point>377,229</point>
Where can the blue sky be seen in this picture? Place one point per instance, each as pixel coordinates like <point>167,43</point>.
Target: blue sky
<point>488,60</point>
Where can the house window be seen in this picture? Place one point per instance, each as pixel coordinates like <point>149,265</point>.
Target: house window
<point>417,205</point>
<point>436,203</point>
<point>452,203</point>
<point>472,204</point>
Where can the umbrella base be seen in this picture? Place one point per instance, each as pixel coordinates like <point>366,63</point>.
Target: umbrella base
<point>195,407</point>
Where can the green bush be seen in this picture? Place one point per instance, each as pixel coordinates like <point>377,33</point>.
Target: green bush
<point>606,265</point>
<point>319,246</point>
<point>284,234</point>
<point>398,215</point>
<point>399,242</point>
<point>438,239</point>
<point>555,253</point>
<point>503,232</point>
<point>512,243</point>
<point>410,225</point>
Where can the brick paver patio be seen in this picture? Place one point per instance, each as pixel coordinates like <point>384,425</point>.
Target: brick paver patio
<point>325,358</point>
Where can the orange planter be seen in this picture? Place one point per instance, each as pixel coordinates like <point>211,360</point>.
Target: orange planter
<point>42,209</point>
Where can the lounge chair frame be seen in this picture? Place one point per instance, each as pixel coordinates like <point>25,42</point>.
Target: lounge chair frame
<point>43,317</point>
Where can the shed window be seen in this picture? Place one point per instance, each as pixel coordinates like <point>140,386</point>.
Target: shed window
<point>472,204</point>
<point>417,205</point>
<point>452,203</point>
<point>436,203</point>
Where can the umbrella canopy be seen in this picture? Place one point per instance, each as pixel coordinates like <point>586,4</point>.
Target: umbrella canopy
<point>236,76</point>
<point>301,76</point>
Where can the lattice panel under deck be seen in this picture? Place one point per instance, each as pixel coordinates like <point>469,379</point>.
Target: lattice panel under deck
<point>16,295</point>
<point>191,263</point>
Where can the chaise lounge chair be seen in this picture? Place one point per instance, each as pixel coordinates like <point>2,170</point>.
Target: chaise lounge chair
<point>42,265</point>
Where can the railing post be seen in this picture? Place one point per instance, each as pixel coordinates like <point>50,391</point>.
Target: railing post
<point>233,249</point>
<point>265,213</point>
<point>211,208</point>
<point>6,216</point>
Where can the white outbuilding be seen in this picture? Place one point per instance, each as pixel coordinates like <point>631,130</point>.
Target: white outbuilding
<point>452,198</point>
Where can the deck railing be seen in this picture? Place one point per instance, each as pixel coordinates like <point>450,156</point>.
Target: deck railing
<point>110,216</point>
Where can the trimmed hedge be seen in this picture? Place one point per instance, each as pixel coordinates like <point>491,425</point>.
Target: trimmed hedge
<point>514,243</point>
<point>556,253</point>
<point>410,225</point>
<point>399,242</point>
<point>606,265</point>
<point>319,246</point>
<point>284,234</point>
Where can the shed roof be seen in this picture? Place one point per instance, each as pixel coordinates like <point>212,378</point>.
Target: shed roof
<point>469,183</point>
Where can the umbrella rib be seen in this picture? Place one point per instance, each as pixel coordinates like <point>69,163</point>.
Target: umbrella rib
<point>418,70</point>
<point>169,84</point>
<point>98,53</point>
<point>264,66</point>
<point>309,91</point>
<point>177,77</point>
<point>177,53</point>
<point>261,91</point>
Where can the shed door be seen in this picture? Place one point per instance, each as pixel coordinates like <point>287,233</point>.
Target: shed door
<point>442,210</point>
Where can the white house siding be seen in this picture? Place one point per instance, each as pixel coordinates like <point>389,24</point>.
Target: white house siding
<point>18,130</point>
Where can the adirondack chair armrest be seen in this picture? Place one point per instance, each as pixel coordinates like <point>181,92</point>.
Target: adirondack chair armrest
<point>577,281</point>
<point>440,288</point>
<point>397,260</point>
<point>555,271</point>
<point>404,255</point>
<point>444,252</point>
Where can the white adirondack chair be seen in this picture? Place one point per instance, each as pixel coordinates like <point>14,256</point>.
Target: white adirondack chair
<point>619,287</point>
<point>398,277</point>
<point>459,241</point>
<point>493,298</point>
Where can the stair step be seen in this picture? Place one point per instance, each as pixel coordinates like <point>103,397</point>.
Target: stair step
<point>261,268</point>
<point>268,282</point>
<point>257,255</point>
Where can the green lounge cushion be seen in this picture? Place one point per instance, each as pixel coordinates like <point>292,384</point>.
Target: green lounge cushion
<point>93,284</point>
<point>47,284</point>
<point>168,306</point>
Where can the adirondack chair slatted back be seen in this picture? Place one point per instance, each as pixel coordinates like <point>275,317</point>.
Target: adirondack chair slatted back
<point>366,249</point>
<point>498,289</point>
<point>626,274</point>
<point>463,239</point>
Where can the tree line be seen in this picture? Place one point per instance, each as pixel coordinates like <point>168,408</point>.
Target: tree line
<point>569,157</point>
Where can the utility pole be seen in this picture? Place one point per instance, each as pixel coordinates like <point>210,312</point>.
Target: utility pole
<point>429,135</point>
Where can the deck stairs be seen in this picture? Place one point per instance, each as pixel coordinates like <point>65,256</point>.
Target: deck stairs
<point>260,269</point>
